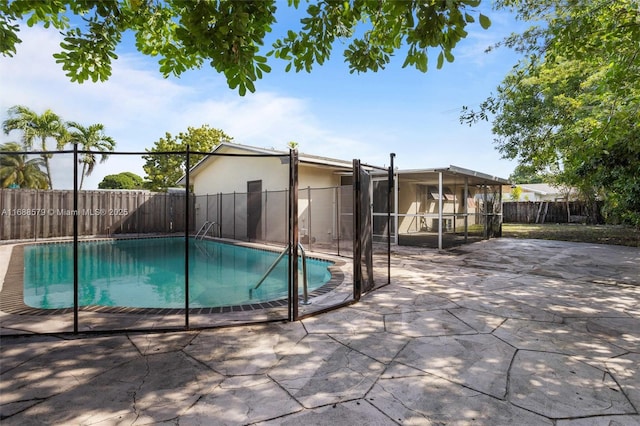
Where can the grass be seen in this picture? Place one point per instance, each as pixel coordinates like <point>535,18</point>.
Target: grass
<point>601,234</point>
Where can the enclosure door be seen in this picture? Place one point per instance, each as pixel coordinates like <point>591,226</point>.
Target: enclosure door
<point>254,210</point>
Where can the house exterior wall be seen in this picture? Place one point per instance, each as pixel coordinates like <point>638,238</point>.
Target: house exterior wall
<point>408,203</point>
<point>414,199</point>
<point>528,196</point>
<point>316,177</point>
<point>317,203</point>
<point>318,214</point>
<point>539,192</point>
<point>229,175</point>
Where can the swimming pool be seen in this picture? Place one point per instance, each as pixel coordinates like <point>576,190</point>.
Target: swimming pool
<point>149,273</point>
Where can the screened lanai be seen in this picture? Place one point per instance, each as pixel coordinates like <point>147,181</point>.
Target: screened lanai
<point>440,207</point>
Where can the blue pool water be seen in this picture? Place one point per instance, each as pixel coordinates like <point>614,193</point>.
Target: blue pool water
<point>149,273</point>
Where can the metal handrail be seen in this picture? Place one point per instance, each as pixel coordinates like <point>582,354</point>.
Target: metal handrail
<point>201,228</point>
<point>271,268</point>
<point>305,291</point>
<point>208,226</point>
<point>305,285</point>
<point>207,230</point>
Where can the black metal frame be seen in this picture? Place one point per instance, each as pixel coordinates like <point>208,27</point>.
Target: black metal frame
<point>293,230</point>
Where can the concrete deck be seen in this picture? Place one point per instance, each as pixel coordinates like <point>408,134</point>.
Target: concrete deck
<point>501,332</point>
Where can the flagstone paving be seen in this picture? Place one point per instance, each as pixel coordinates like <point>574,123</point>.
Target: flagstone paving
<point>501,332</point>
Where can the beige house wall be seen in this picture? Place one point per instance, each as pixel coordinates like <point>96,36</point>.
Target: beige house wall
<point>316,207</point>
<point>231,174</point>
<point>414,200</point>
<point>408,203</point>
<point>316,177</point>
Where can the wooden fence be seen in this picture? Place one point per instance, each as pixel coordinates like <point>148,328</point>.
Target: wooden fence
<point>33,214</point>
<point>552,212</point>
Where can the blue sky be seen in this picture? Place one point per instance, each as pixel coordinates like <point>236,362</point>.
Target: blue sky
<point>328,112</point>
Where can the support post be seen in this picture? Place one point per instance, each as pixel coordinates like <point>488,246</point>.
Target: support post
<point>440,210</point>
<point>75,239</point>
<point>186,241</point>
<point>466,209</point>
<point>357,241</point>
<point>294,237</point>
<point>220,214</point>
<point>486,212</point>
<point>336,193</point>
<point>390,188</point>
<point>500,214</point>
<point>396,206</point>
<point>309,217</point>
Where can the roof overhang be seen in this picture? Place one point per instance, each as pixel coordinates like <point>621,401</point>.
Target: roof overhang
<point>451,174</point>
<point>340,166</point>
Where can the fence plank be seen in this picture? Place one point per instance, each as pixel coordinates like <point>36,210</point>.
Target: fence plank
<point>36,214</point>
<point>556,212</point>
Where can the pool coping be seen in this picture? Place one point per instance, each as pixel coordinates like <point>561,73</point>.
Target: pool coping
<point>12,292</point>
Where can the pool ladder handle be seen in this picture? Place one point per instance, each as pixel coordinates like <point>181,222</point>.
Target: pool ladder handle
<point>204,229</point>
<point>305,292</point>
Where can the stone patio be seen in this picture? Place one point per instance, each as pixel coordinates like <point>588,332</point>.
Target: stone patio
<point>500,332</point>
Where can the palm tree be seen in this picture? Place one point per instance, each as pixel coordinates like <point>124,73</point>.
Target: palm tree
<point>90,138</point>
<point>37,127</point>
<point>18,170</point>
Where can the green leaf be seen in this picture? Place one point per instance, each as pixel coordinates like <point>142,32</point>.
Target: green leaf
<point>421,62</point>
<point>264,67</point>
<point>485,22</point>
<point>440,60</point>
<point>250,86</point>
<point>448,55</point>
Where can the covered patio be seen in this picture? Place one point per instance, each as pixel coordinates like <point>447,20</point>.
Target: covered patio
<point>440,207</point>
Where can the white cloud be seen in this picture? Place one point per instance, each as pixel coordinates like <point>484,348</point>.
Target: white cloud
<point>137,106</point>
<point>328,114</point>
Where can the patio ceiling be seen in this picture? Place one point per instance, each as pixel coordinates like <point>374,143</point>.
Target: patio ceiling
<point>451,175</point>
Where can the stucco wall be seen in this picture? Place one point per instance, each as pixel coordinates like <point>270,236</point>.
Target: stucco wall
<point>407,204</point>
<point>316,177</point>
<point>411,202</point>
<point>229,174</point>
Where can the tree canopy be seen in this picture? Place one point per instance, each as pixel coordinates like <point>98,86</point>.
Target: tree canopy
<point>230,35</point>
<point>90,138</point>
<point>37,129</point>
<point>526,174</point>
<point>572,103</point>
<point>124,180</point>
<point>17,170</point>
<point>164,170</point>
